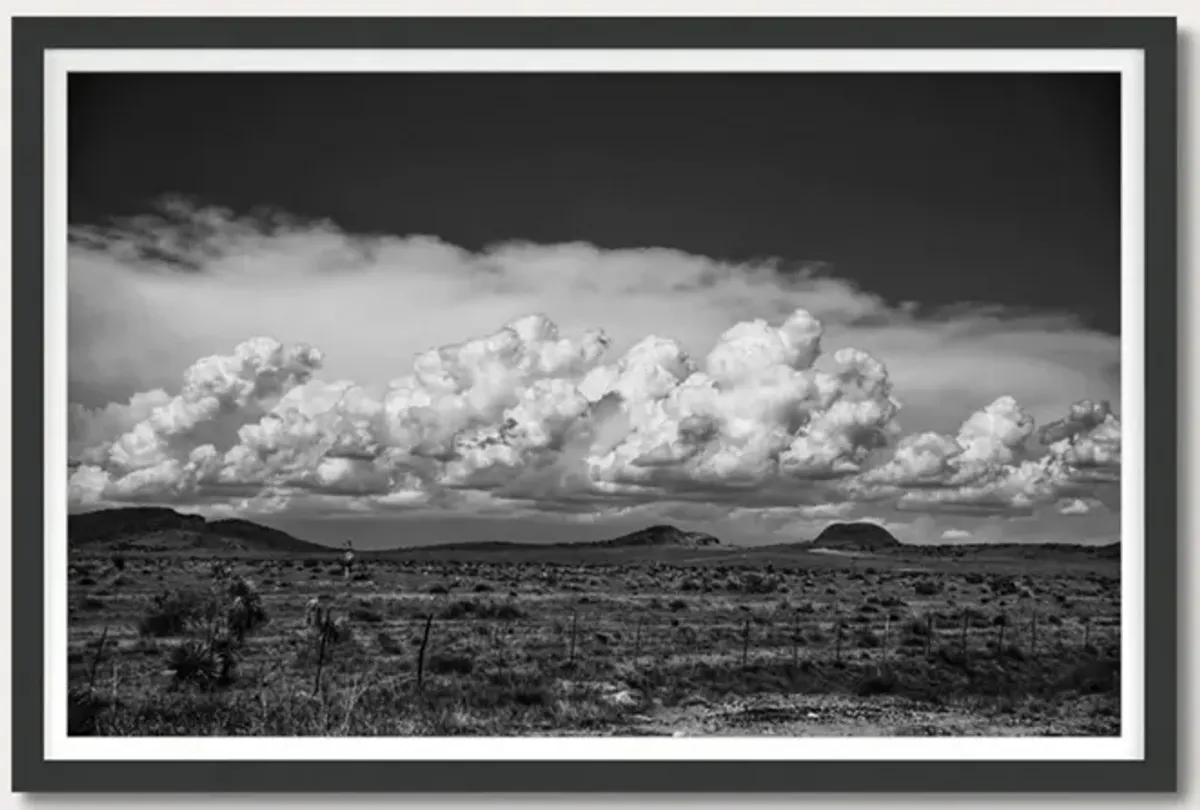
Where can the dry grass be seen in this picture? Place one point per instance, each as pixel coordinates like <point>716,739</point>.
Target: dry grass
<point>533,647</point>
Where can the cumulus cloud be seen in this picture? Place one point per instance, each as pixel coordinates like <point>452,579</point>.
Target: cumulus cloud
<point>751,393</point>
<point>956,534</point>
<point>1077,506</point>
<point>151,294</point>
<point>989,465</point>
<point>528,416</point>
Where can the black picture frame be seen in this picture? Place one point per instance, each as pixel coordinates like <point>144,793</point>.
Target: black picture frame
<point>1154,36</point>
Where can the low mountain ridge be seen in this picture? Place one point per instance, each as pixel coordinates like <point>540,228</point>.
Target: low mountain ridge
<point>152,528</point>
<point>660,535</point>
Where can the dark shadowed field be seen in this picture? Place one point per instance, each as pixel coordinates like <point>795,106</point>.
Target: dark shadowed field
<point>602,642</point>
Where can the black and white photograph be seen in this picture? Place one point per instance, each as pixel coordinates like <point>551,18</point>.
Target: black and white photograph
<point>594,404</point>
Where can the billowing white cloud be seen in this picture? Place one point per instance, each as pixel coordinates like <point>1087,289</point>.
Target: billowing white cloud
<point>171,450</point>
<point>149,295</point>
<point>755,389</point>
<point>1077,506</point>
<point>956,534</point>
<point>989,466</point>
<point>527,416</point>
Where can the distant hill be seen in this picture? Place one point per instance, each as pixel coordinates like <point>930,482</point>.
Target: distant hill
<point>145,528</point>
<point>856,537</point>
<point>660,535</point>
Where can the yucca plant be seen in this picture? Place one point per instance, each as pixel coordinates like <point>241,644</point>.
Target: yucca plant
<point>207,665</point>
<point>245,610</point>
<point>234,609</point>
<point>84,707</point>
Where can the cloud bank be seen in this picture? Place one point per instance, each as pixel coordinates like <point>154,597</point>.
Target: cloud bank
<point>757,388</point>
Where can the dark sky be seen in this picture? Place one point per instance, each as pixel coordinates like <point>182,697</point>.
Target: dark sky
<point>935,188</point>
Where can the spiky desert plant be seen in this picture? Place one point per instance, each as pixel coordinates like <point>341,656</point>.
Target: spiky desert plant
<point>205,664</point>
<point>244,611</point>
<point>234,609</point>
<point>171,614</point>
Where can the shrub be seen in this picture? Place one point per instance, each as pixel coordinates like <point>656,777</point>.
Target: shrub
<point>83,708</point>
<point>927,588</point>
<point>506,611</point>
<point>459,609</point>
<point>868,639</point>
<point>878,683</point>
<point>451,664</point>
<point>365,613</point>
<point>171,614</point>
<point>388,645</point>
<point>1093,677</point>
<point>918,627</point>
<point>470,608</point>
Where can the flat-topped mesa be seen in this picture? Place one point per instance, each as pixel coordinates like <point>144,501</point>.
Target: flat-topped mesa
<point>856,536</point>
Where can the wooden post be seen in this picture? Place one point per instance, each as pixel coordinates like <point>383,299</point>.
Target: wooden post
<point>963,637</point>
<point>928,634</point>
<point>837,649</point>
<point>574,627</point>
<point>637,641</point>
<point>796,640</point>
<point>96,660</point>
<point>1000,641</point>
<point>421,654</point>
<point>745,641</point>
<point>1087,632</point>
<point>887,626</point>
<point>321,653</point>
<point>1033,635</point>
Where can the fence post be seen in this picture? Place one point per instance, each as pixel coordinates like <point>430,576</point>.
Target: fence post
<point>963,636</point>
<point>1087,632</point>
<point>1000,640</point>
<point>745,641</point>
<point>637,641</point>
<point>1033,636</point>
<point>421,654</point>
<point>837,648</point>
<point>796,639</point>
<point>928,634</point>
<point>321,653</point>
<point>887,627</point>
<point>96,660</point>
<point>574,626</point>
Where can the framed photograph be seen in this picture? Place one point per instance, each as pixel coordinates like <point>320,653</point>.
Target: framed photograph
<point>625,405</point>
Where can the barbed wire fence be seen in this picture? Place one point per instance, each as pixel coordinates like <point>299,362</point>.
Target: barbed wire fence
<point>586,640</point>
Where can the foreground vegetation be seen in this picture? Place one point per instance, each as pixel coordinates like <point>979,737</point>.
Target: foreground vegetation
<point>510,644</point>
